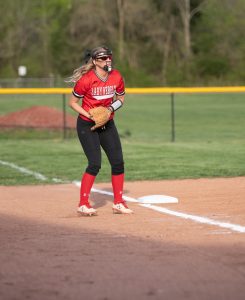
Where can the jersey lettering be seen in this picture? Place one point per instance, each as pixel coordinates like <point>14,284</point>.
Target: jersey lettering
<point>105,92</point>
<point>95,92</point>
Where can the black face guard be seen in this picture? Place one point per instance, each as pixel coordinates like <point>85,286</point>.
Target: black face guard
<point>107,68</point>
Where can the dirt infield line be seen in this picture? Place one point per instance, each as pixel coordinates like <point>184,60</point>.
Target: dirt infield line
<point>204,220</point>
<point>23,170</point>
<point>198,219</point>
<point>195,218</point>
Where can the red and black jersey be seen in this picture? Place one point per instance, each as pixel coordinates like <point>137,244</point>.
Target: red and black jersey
<point>94,91</point>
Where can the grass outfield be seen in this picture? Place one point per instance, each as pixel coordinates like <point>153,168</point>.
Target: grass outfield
<point>209,140</point>
<point>65,160</point>
<point>147,118</point>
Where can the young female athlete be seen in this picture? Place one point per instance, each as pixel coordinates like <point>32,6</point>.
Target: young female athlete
<point>97,84</point>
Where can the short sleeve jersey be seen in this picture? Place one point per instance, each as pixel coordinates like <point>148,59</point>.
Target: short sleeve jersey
<point>94,91</point>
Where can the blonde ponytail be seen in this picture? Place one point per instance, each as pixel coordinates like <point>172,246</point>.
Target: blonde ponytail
<point>79,72</point>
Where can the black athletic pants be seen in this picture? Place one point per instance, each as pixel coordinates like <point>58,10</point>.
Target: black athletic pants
<point>108,139</point>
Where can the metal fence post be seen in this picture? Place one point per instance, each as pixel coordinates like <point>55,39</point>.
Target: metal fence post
<point>172,118</point>
<point>64,115</point>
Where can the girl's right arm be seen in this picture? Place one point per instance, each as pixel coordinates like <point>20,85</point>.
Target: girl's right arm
<point>73,103</point>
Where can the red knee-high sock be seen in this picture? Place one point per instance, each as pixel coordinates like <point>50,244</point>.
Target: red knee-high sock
<point>86,185</point>
<point>117,185</point>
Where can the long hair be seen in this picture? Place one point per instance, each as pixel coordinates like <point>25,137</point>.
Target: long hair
<point>79,72</point>
<point>89,65</point>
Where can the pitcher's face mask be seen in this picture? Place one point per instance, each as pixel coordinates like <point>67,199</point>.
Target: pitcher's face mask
<point>103,55</point>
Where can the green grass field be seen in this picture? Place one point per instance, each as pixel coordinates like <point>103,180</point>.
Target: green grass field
<point>209,140</point>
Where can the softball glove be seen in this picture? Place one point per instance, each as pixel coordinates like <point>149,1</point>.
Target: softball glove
<point>100,115</point>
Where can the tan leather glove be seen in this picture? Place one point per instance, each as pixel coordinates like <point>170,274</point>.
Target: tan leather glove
<point>100,115</point>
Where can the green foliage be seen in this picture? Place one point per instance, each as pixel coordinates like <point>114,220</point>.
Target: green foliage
<point>136,77</point>
<point>49,37</point>
<point>218,43</point>
<point>212,66</point>
<point>7,71</point>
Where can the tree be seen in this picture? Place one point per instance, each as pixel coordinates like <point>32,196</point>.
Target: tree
<point>186,14</point>
<point>164,34</point>
<point>16,32</point>
<point>187,10</point>
<point>154,41</point>
<point>219,41</point>
<point>121,28</point>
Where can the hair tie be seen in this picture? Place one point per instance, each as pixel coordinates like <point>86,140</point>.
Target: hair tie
<point>87,55</point>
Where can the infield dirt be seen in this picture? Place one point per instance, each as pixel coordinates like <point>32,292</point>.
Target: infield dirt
<point>48,252</point>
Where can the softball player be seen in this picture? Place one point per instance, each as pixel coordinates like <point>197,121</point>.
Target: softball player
<point>96,84</point>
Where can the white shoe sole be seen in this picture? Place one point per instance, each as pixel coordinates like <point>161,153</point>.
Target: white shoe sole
<point>119,212</point>
<point>91,214</point>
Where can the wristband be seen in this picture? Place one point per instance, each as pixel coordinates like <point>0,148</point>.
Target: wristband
<point>116,105</point>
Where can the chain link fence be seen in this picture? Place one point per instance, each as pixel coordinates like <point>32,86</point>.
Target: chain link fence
<point>149,115</point>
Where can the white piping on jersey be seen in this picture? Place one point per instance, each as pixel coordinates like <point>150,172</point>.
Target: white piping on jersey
<point>120,94</point>
<point>77,95</point>
<point>103,97</point>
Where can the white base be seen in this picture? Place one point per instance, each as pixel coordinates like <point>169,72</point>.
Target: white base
<point>158,199</point>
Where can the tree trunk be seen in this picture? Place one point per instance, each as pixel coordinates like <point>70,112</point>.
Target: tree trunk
<point>187,30</point>
<point>120,7</point>
<point>45,34</point>
<point>166,49</point>
<point>186,18</point>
